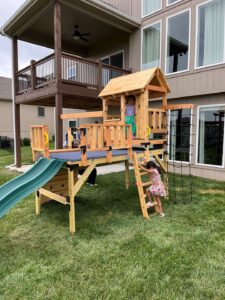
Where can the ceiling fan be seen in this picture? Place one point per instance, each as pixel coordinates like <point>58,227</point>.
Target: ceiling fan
<point>77,35</point>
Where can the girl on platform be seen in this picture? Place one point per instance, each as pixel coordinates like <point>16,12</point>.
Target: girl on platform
<point>157,189</point>
<point>130,113</point>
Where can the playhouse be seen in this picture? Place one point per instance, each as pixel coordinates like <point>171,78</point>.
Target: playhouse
<point>55,175</point>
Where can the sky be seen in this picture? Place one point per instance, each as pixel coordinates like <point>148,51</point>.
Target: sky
<point>27,52</point>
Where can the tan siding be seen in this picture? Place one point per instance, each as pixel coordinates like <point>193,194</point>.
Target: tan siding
<point>197,83</point>
<point>130,7</point>
<point>29,116</point>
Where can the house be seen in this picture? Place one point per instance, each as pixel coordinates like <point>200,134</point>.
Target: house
<point>96,40</point>
<point>30,114</point>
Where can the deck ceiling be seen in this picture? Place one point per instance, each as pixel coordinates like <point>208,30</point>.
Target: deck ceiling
<point>36,25</point>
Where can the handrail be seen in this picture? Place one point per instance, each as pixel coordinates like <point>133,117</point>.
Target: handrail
<point>43,60</point>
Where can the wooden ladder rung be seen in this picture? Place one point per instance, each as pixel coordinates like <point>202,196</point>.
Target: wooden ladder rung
<point>146,183</point>
<point>143,173</point>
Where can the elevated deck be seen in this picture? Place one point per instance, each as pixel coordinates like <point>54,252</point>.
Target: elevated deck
<point>80,82</point>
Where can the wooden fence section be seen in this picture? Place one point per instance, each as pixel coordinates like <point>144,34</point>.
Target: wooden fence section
<point>39,141</point>
<point>157,120</point>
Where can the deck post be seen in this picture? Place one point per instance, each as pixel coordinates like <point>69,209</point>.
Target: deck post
<point>100,83</point>
<point>58,41</point>
<point>58,74</point>
<point>16,107</point>
<point>58,122</point>
<point>33,75</point>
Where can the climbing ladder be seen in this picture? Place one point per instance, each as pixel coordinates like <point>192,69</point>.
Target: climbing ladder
<point>141,185</point>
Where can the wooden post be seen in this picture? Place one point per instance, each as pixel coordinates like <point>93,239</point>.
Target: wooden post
<point>165,99</point>
<point>38,203</point>
<point>72,201</point>
<point>33,75</point>
<point>58,122</point>
<point>100,83</point>
<point>122,110</point>
<point>127,181</point>
<point>105,109</point>
<point>58,41</point>
<point>16,107</point>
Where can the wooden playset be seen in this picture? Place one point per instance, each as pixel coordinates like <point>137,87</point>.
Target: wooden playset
<point>110,141</point>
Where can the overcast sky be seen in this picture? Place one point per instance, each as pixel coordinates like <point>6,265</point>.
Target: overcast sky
<point>27,51</point>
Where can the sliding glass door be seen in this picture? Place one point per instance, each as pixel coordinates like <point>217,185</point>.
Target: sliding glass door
<point>211,135</point>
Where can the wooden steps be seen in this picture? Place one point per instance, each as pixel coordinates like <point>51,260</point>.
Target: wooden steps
<point>140,185</point>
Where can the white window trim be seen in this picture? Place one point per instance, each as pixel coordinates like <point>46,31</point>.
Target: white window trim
<point>115,53</point>
<point>167,4</point>
<point>190,152</point>
<point>197,136</point>
<point>142,31</point>
<point>196,40</point>
<point>142,6</point>
<point>189,41</point>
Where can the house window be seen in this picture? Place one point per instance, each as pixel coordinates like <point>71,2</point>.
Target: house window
<point>211,135</point>
<point>210,33</point>
<point>72,124</point>
<point>178,43</point>
<point>41,112</point>
<point>150,6</point>
<point>170,2</point>
<point>179,138</point>
<point>151,46</point>
<point>114,60</point>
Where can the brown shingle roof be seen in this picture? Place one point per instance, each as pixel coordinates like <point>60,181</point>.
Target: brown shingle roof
<point>5,88</point>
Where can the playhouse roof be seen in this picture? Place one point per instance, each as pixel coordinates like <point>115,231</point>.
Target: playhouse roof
<point>135,81</point>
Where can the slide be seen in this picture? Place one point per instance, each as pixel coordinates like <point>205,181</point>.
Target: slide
<point>20,187</point>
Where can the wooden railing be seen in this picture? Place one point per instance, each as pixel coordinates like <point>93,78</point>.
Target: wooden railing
<point>104,136</point>
<point>75,70</point>
<point>157,120</point>
<point>39,141</point>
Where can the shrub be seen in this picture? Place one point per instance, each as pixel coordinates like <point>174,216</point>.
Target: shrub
<point>26,142</point>
<point>6,142</point>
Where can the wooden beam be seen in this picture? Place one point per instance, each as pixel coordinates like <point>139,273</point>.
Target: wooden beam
<point>91,114</point>
<point>178,106</point>
<point>53,196</point>
<point>156,88</point>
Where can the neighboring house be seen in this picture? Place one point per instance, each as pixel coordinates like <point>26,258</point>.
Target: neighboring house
<point>185,38</point>
<point>30,114</point>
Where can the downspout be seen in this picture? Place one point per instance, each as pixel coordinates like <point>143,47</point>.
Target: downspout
<point>13,104</point>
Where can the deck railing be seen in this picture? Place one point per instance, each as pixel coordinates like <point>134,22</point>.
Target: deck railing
<point>75,70</point>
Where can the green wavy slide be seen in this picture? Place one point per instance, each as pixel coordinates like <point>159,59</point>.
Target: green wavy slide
<point>22,186</point>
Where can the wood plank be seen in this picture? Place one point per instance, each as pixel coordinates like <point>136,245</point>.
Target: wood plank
<point>178,106</point>
<point>53,196</point>
<point>92,114</point>
<point>156,88</point>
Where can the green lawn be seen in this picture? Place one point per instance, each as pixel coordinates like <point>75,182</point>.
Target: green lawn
<point>116,254</point>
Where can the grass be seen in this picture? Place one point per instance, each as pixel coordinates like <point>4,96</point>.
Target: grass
<point>115,253</point>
